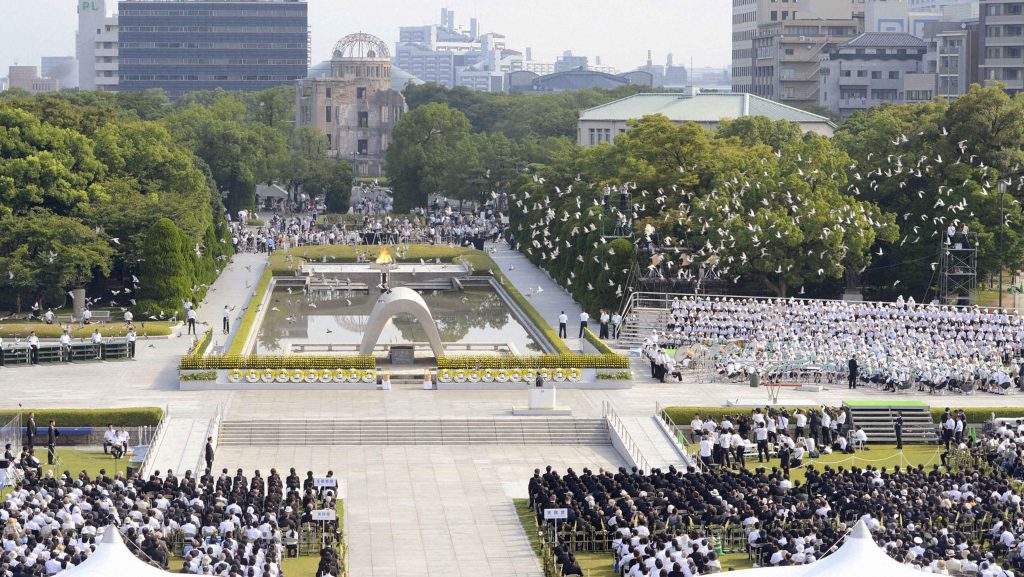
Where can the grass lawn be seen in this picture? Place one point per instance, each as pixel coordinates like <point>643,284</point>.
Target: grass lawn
<point>986,297</point>
<point>21,329</point>
<point>88,459</point>
<point>878,456</point>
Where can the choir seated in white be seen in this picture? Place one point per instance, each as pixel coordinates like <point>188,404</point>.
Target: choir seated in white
<point>896,345</point>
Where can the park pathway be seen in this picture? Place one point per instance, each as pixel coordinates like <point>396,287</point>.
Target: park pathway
<point>550,300</point>
<point>234,287</point>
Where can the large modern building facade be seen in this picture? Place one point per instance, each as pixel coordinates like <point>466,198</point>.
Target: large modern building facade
<point>96,45</point>
<point>1002,29</point>
<point>181,47</point>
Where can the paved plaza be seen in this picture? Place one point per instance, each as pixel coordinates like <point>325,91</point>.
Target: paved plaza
<point>443,511</point>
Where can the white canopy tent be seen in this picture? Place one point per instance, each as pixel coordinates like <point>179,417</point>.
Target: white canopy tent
<point>858,556</point>
<point>113,559</point>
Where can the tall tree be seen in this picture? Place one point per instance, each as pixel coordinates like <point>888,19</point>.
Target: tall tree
<point>333,179</point>
<point>431,152</point>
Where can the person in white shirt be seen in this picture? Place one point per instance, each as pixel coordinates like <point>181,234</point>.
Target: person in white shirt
<point>131,336</point>
<point>122,441</point>
<point>48,317</point>
<point>86,316</point>
<point>191,317</point>
<point>616,322</point>
<point>706,447</point>
<point>109,438</point>
<point>226,324</point>
<point>563,321</point>
<point>65,347</point>
<point>604,319</point>
<point>97,343</point>
<point>33,348</point>
<point>696,426</point>
<point>128,317</point>
<point>584,317</point>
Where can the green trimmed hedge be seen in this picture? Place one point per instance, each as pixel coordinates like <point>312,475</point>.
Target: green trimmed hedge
<point>600,345</point>
<point>975,415</point>
<point>203,344</point>
<point>568,361</point>
<point>978,415</point>
<point>198,376</point>
<point>128,417</point>
<point>279,362</point>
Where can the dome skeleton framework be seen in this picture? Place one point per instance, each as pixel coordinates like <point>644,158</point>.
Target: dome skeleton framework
<point>361,45</point>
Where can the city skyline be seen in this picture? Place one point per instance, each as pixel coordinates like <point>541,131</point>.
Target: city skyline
<point>662,26</point>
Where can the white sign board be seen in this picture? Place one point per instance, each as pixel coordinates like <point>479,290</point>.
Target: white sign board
<point>320,482</point>
<point>324,515</point>
<point>555,514</point>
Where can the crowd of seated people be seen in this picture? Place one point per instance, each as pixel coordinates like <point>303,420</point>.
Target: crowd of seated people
<point>226,525</point>
<point>897,345</point>
<point>663,523</point>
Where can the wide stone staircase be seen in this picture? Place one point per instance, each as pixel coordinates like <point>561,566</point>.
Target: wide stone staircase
<point>877,421</point>
<point>648,318</point>
<point>504,431</point>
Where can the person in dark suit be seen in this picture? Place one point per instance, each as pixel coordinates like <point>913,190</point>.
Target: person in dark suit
<point>853,372</point>
<point>209,453</point>
<point>32,430</point>
<point>51,442</point>
<point>898,428</point>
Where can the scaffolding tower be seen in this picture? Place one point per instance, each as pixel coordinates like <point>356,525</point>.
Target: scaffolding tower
<point>958,269</point>
<point>617,212</point>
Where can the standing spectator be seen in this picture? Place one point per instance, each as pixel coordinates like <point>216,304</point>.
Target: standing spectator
<point>604,318</point>
<point>616,323</point>
<point>131,336</point>
<point>33,348</point>
<point>32,430</point>
<point>65,347</point>
<point>563,319</point>
<point>897,426</point>
<point>852,373</point>
<point>97,343</point>
<point>226,325</point>
<point>584,317</point>
<point>51,442</point>
<point>208,453</point>
<point>191,316</point>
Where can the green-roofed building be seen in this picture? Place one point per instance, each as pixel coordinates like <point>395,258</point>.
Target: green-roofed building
<point>603,123</point>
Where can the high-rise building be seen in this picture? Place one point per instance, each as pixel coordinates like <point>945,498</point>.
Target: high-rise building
<point>875,68</point>
<point>353,103</point>
<point>64,69</point>
<point>787,57</point>
<point>1002,38</point>
<point>181,47</point>
<point>749,15</point>
<point>27,78</point>
<point>96,45</point>
<point>952,56</point>
<point>454,56</point>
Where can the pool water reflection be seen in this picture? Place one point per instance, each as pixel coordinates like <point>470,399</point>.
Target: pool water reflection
<point>473,316</point>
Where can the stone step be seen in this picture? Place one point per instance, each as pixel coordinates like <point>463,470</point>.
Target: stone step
<point>541,431</point>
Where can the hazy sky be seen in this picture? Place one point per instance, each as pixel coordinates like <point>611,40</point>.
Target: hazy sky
<point>620,31</point>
